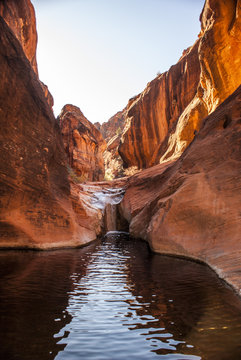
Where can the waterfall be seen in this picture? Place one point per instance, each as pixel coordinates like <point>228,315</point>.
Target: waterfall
<point>107,199</point>
<point>110,217</point>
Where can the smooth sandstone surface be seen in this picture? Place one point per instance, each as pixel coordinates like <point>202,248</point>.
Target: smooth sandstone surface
<point>191,207</point>
<point>83,144</point>
<point>162,121</point>
<point>37,209</point>
<point>186,206</point>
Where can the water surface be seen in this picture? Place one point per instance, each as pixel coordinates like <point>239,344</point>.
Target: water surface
<point>114,300</point>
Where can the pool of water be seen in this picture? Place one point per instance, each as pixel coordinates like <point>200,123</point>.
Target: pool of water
<point>114,300</point>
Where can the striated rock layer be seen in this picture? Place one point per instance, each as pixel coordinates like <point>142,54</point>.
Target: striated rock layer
<point>164,118</point>
<point>37,209</point>
<point>191,207</point>
<point>83,144</point>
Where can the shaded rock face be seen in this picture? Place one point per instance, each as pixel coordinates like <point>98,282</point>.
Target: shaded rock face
<point>83,144</point>
<point>37,209</point>
<point>191,207</point>
<point>20,17</point>
<point>114,126</point>
<point>112,131</point>
<point>164,118</point>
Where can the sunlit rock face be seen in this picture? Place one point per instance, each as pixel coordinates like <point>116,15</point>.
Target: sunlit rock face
<point>165,117</point>
<point>20,17</point>
<point>37,209</point>
<point>191,206</point>
<point>83,144</point>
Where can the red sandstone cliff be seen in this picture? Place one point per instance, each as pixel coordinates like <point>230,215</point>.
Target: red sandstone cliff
<point>37,209</point>
<point>114,126</point>
<point>191,206</point>
<point>165,117</point>
<point>112,131</point>
<point>20,17</point>
<point>83,144</point>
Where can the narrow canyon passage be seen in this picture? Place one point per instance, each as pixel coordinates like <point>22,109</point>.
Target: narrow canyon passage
<point>114,300</point>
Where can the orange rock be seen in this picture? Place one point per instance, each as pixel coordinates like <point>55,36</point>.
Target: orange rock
<point>163,120</point>
<point>191,207</point>
<point>37,209</point>
<point>83,144</point>
<point>112,131</point>
<point>114,126</point>
<point>20,17</point>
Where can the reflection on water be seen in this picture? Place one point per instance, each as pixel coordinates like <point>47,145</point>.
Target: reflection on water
<point>114,300</point>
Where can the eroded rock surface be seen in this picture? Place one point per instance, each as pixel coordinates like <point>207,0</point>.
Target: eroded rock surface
<point>37,209</point>
<point>112,131</point>
<point>114,126</point>
<point>165,117</point>
<point>191,207</point>
<point>20,17</point>
<point>83,144</point>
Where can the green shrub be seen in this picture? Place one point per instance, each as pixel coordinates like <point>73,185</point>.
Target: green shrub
<point>77,179</point>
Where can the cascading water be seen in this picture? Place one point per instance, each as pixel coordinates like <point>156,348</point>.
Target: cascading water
<point>107,200</point>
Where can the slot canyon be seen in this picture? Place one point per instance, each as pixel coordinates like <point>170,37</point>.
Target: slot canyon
<point>149,195</point>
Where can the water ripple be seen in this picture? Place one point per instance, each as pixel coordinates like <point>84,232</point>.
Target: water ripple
<point>114,300</point>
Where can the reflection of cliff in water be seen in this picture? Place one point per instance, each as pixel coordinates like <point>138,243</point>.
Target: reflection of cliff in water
<point>188,306</point>
<point>33,297</point>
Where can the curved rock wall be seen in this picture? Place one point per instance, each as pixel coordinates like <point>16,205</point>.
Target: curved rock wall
<point>191,207</point>
<point>37,209</point>
<point>165,117</point>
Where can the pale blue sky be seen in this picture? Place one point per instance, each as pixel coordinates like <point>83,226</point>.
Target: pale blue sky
<point>96,54</point>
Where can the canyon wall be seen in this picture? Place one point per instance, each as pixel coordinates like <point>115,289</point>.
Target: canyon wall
<point>38,208</point>
<point>83,144</point>
<point>20,17</point>
<point>191,206</point>
<point>114,126</point>
<point>162,120</point>
<point>112,131</point>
